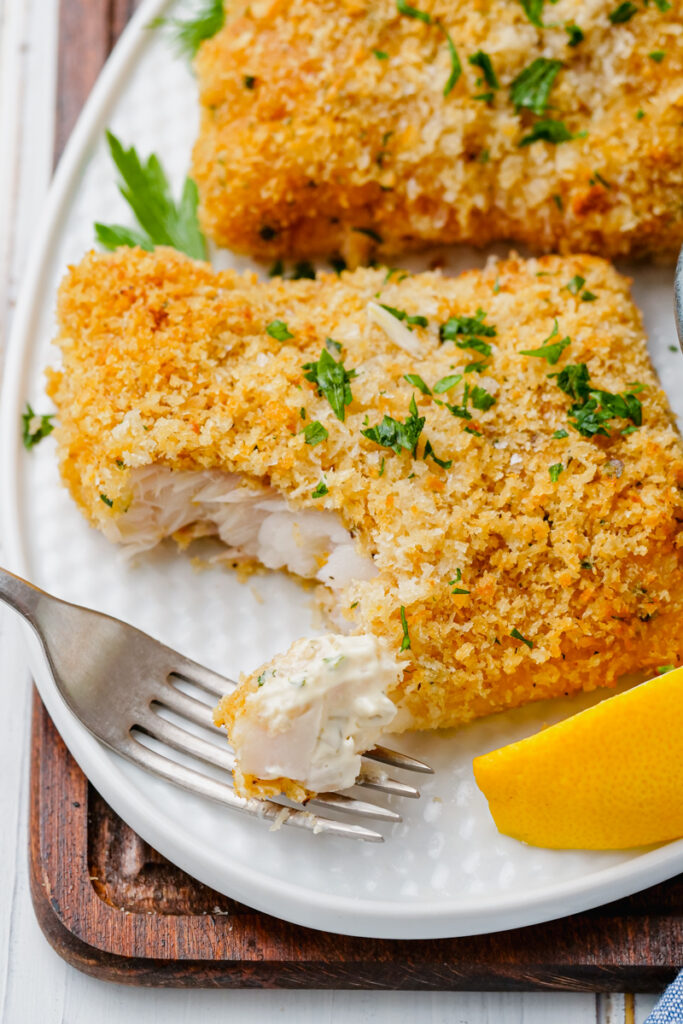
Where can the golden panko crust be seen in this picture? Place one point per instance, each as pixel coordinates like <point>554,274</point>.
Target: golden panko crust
<point>310,137</point>
<point>166,361</point>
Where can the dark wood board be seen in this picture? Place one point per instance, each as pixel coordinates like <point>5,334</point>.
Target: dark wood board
<point>116,909</point>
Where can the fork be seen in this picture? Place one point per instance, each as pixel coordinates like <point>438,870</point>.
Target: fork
<point>122,684</point>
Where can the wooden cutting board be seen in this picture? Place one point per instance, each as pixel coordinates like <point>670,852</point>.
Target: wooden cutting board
<point>113,907</point>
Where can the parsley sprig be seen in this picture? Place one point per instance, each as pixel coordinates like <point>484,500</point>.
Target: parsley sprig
<point>530,90</point>
<point>35,426</point>
<point>397,436</point>
<point>145,188</point>
<point>333,381</point>
<point>549,350</point>
<point>593,408</point>
<point>468,332</point>
<point>190,33</point>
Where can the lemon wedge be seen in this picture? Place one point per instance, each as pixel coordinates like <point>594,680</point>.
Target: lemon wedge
<point>607,778</point>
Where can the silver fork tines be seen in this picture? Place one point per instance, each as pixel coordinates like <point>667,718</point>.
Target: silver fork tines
<point>126,688</point>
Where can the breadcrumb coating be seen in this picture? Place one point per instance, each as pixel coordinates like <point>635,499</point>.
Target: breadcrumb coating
<point>325,128</point>
<point>571,578</point>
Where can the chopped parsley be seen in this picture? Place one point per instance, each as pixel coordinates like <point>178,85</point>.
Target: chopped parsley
<point>483,61</point>
<point>576,284</point>
<point>107,501</point>
<point>549,130</point>
<point>560,434</point>
<point>261,679</point>
<point>190,33</point>
<point>661,5</point>
<point>640,114</point>
<point>321,490</point>
<point>416,380</point>
<point>476,367</point>
<point>624,12</point>
<point>575,34</point>
<point>332,346</point>
<point>518,636</point>
<point>593,409</point>
<point>473,331</point>
<point>557,199</point>
<point>531,88</point>
<point>381,55</point>
<point>555,471</point>
<point>482,399</point>
<point>279,330</point>
<point>413,12</point>
<point>479,397</point>
<point>534,11</point>
<point>315,432</point>
<point>145,188</point>
<point>456,66</point>
<point>397,436</point>
<point>429,453</point>
<point>35,427</point>
<point>249,81</point>
<point>587,296</point>
<point>400,314</point>
<point>663,669</point>
<point>370,232</point>
<point>405,643</point>
<point>446,383</point>
<point>657,56</point>
<point>550,352</point>
<point>471,430</point>
<point>333,381</point>
<point>453,583</point>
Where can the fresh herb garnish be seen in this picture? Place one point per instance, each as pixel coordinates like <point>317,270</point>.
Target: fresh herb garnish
<point>657,56</point>
<point>555,471</point>
<point>145,188</point>
<point>332,380</point>
<point>393,434</point>
<point>190,33</point>
<point>381,55</point>
<point>453,582</point>
<point>456,66</point>
<point>483,61</point>
<point>575,34</point>
<point>315,432</point>
<point>560,434</point>
<point>405,643</point>
<point>471,430</point>
<point>303,271</point>
<point>472,328</point>
<point>321,490</point>
<point>370,232</point>
<point>107,501</point>
<point>624,12</point>
<point>429,453</point>
<point>416,380</point>
<point>413,12</point>
<point>279,330</point>
<point>249,81</point>
<point>574,381</point>
<point>576,284</point>
<point>593,408</point>
<point>550,131</point>
<point>534,11</point>
<point>531,88</point>
<point>277,269</point>
<point>482,399</point>
<point>587,296</point>
<point>550,352</point>
<point>400,314</point>
<point>661,5</point>
<point>446,383</point>
<point>35,427</point>
<point>663,669</point>
<point>518,636</point>
<point>477,367</point>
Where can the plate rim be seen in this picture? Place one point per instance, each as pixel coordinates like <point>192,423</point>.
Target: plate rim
<point>423,919</point>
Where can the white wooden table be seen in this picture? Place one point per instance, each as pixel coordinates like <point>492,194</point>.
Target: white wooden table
<point>35,985</point>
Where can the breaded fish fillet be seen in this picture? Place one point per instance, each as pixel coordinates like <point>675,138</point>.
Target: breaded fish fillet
<point>516,535</point>
<point>334,126</point>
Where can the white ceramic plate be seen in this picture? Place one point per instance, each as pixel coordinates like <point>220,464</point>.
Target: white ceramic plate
<point>445,871</point>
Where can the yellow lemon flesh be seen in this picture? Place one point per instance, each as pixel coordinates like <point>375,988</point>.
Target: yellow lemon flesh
<point>606,779</point>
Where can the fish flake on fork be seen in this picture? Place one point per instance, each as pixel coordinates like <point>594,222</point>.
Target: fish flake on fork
<point>121,684</point>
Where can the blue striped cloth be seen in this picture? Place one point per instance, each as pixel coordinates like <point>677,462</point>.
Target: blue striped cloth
<point>669,1009</point>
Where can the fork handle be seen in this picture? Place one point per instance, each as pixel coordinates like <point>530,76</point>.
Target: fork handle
<point>20,595</point>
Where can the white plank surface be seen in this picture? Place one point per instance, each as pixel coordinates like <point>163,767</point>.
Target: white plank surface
<point>35,985</point>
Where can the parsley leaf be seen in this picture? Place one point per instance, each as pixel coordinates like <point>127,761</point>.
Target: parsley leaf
<point>393,434</point>
<point>482,399</point>
<point>35,427</point>
<point>550,352</point>
<point>321,490</point>
<point>575,34</point>
<point>381,55</point>
<point>446,383</point>
<point>315,432</point>
<point>576,284</point>
<point>531,88</point>
<point>534,11</point>
<point>550,131</point>
<point>400,314</point>
<point>657,56</point>
<point>483,61</point>
<point>573,380</point>
<point>107,501</point>
<point>429,453</point>
<point>456,66</point>
<point>279,330</point>
<point>555,471</point>
<point>593,408</point>
<point>453,582</point>
<point>624,12</point>
<point>405,643</point>
<point>412,12</point>
<point>191,33</point>
<point>518,636</point>
<point>332,380</point>
<point>474,330</point>
<point>145,188</point>
<point>416,380</point>
<point>559,434</point>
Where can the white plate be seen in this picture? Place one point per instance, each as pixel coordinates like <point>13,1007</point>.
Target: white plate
<point>445,871</point>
